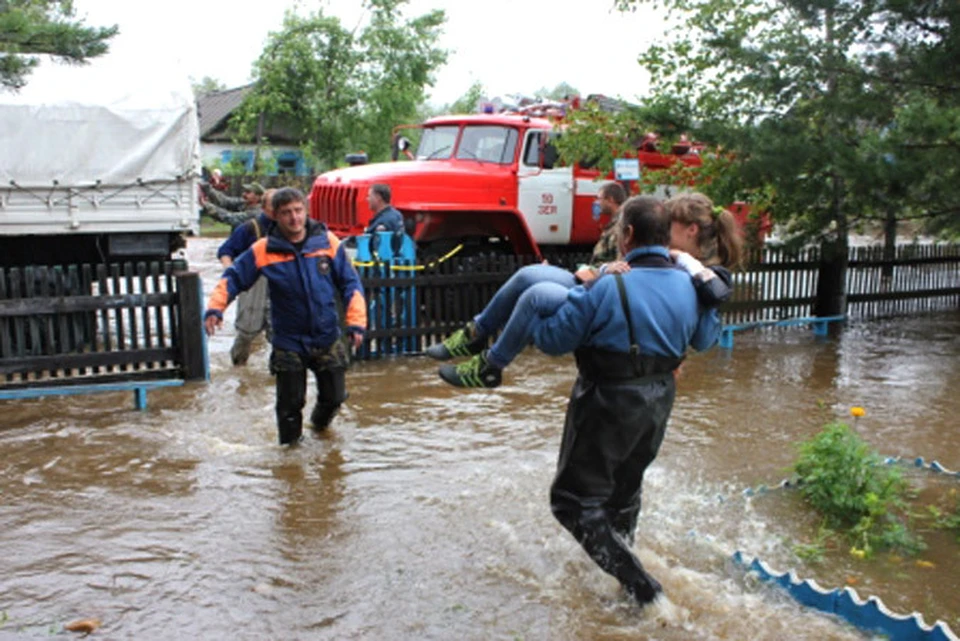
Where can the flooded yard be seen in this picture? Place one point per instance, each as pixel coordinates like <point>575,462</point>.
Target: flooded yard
<point>423,512</point>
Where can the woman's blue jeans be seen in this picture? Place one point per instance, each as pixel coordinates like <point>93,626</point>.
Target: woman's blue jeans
<point>531,293</point>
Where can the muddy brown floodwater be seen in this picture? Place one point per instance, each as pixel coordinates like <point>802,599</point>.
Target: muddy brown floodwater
<point>423,513</point>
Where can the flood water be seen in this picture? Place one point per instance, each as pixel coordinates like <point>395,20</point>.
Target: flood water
<point>423,513</point>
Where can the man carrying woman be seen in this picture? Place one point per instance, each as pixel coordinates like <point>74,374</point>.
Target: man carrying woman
<point>698,231</point>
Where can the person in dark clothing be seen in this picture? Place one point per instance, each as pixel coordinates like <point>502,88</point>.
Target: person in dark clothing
<point>307,268</point>
<point>385,218</point>
<point>253,309</point>
<point>629,333</point>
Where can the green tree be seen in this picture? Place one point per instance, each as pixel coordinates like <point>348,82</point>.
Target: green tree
<point>399,58</point>
<point>343,90</point>
<point>830,109</point>
<point>35,27</point>
<point>206,85</point>
<point>468,102</point>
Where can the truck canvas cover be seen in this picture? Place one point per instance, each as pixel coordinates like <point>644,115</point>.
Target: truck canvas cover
<point>78,125</point>
<point>99,149</point>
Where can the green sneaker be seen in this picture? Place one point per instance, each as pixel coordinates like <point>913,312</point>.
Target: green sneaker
<point>463,342</point>
<point>476,372</point>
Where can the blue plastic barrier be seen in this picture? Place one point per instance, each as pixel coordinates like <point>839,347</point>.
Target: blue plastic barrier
<point>870,615</point>
<point>393,256</point>
<point>819,324</point>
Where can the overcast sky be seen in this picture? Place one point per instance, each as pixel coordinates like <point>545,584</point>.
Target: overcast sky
<point>510,46</point>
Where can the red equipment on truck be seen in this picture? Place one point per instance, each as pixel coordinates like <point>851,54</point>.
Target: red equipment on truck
<point>489,181</point>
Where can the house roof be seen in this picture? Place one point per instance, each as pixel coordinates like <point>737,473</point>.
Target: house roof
<point>215,109</point>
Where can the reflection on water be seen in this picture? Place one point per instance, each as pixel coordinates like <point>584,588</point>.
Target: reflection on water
<point>423,513</point>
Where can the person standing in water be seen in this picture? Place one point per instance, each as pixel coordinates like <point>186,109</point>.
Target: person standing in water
<point>629,333</point>
<point>306,268</point>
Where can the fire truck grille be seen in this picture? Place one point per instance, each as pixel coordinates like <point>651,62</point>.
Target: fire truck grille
<point>337,206</point>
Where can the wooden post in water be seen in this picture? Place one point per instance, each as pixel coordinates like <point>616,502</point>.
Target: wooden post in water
<point>831,296</point>
<point>193,349</point>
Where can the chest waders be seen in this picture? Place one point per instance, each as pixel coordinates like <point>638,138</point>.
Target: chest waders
<point>613,429</point>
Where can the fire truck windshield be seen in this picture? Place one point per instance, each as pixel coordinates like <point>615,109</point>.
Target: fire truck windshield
<point>436,143</point>
<point>486,143</point>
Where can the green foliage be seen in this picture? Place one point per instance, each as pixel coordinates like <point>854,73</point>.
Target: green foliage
<point>207,85</point>
<point>234,167</point>
<point>561,91</point>
<point>841,110</point>
<point>467,103</point>
<point>848,483</point>
<point>598,136</point>
<point>814,552</point>
<point>947,517</point>
<point>344,90</point>
<point>29,27</point>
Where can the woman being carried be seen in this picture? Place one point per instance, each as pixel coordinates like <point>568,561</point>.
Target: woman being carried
<point>699,232</point>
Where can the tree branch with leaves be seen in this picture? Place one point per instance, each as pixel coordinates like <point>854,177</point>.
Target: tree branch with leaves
<point>29,28</point>
<point>344,90</point>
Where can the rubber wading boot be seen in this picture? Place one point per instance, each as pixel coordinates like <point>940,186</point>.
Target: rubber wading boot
<point>321,416</point>
<point>289,406</point>
<point>644,591</point>
<point>463,342</point>
<point>240,351</point>
<point>476,372</point>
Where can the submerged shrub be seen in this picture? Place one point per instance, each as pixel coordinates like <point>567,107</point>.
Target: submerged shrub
<point>848,483</point>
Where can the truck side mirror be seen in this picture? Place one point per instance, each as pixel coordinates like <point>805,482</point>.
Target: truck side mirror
<point>401,144</point>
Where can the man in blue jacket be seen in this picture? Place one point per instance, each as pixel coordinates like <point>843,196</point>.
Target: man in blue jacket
<point>385,217</point>
<point>628,333</point>
<point>306,268</point>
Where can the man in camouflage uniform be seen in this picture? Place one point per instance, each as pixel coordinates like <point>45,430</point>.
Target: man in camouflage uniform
<point>232,210</point>
<point>610,197</point>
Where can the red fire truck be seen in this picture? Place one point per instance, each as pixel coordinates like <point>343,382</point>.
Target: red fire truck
<point>489,181</point>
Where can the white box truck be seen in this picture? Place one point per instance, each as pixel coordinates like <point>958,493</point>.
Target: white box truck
<point>97,164</point>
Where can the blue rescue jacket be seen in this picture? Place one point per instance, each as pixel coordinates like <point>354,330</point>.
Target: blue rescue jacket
<point>390,218</point>
<point>303,287</point>
<point>244,235</point>
<point>664,310</point>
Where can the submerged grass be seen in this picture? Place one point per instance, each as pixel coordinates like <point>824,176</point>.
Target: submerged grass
<point>858,495</point>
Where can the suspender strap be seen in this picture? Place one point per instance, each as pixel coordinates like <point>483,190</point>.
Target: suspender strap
<point>634,346</point>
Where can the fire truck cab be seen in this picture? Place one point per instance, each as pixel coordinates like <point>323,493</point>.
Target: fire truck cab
<point>492,182</point>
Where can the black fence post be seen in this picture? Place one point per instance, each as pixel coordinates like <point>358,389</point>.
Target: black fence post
<point>193,356</point>
<point>831,296</point>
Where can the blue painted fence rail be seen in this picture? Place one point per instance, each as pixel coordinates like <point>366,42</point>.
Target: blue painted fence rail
<point>818,323</point>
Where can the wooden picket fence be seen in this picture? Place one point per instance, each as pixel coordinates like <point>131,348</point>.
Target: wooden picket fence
<point>127,325</point>
<point>780,284</point>
<point>411,310</point>
<point>87,328</point>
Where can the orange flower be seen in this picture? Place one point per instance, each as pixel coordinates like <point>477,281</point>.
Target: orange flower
<point>857,412</point>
